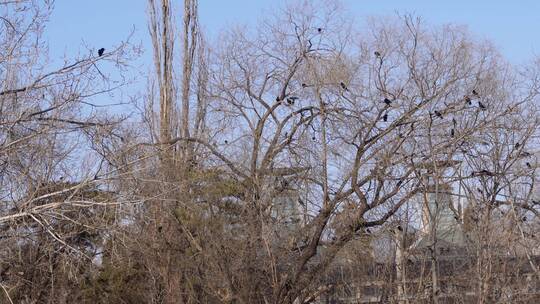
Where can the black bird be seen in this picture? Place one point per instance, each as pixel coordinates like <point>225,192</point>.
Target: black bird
<point>226,141</point>
<point>481,105</point>
<point>475,93</point>
<point>313,138</point>
<point>387,101</point>
<point>528,165</point>
<point>385,117</point>
<point>438,114</point>
<point>368,231</point>
<point>100,52</point>
<point>304,85</point>
<point>454,121</point>
<point>376,53</point>
<point>291,100</point>
<point>452,133</point>
<point>524,154</point>
<point>278,99</point>
<point>517,145</point>
<point>485,172</point>
<point>468,100</point>
<point>319,30</point>
<point>524,219</point>
<point>160,229</point>
<point>343,86</point>
<point>399,228</point>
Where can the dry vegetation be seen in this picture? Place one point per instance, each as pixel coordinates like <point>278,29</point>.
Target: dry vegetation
<point>260,168</point>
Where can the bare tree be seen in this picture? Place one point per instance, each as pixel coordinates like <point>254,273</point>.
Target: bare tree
<point>288,163</point>
<point>54,195</point>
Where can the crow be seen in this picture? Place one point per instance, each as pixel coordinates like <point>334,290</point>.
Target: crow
<point>528,165</point>
<point>399,228</point>
<point>475,93</point>
<point>387,101</point>
<point>485,172</point>
<point>226,141</point>
<point>343,86</point>
<point>468,100</point>
<point>517,145</point>
<point>438,114</point>
<point>319,30</point>
<point>481,105</point>
<point>377,54</point>
<point>385,117</point>
<point>313,138</point>
<point>304,85</point>
<point>454,121</point>
<point>291,100</point>
<point>278,99</point>
<point>100,52</point>
<point>452,133</point>
<point>524,154</point>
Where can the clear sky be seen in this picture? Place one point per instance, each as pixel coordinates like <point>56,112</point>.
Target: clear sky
<point>512,25</point>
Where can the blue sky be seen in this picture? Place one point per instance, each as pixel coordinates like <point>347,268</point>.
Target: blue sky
<point>512,25</point>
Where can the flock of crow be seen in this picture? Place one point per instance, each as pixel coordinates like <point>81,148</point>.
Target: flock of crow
<point>290,100</point>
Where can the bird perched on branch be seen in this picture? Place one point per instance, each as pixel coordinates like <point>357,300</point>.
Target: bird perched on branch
<point>481,105</point>
<point>484,172</point>
<point>101,51</point>
<point>385,117</point>
<point>291,100</point>
<point>387,101</point>
<point>343,86</point>
<point>438,114</point>
<point>475,93</point>
<point>377,54</point>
